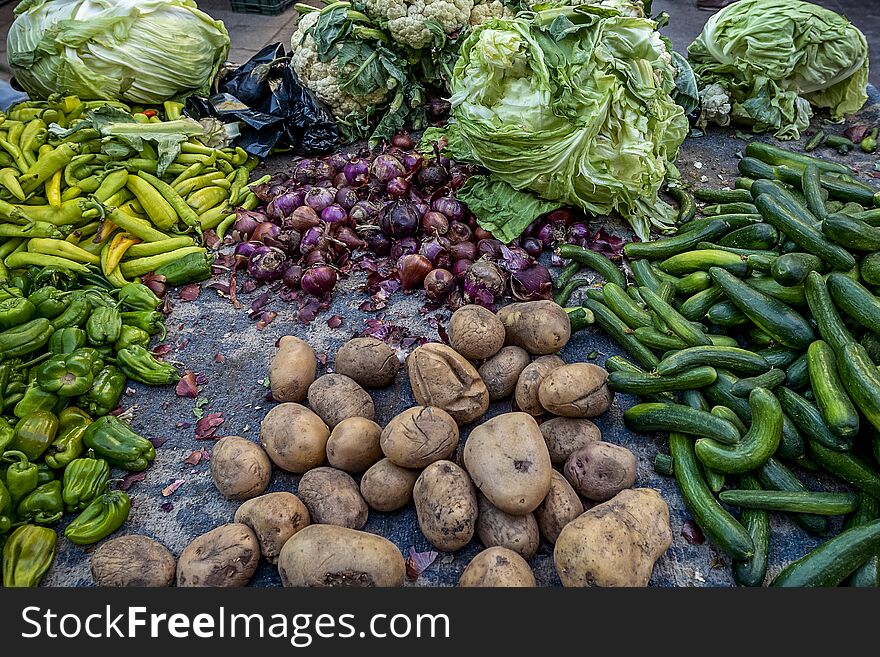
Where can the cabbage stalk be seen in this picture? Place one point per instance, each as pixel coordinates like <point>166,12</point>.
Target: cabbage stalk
<point>776,58</point>
<point>135,51</point>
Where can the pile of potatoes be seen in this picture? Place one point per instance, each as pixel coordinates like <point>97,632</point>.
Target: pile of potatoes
<point>513,481</point>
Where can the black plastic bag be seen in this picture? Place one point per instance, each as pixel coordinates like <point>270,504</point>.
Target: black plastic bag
<point>272,107</point>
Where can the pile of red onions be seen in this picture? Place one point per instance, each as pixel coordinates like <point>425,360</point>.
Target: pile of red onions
<point>396,204</point>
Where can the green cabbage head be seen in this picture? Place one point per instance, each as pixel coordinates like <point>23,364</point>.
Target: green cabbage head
<point>136,51</point>
<point>574,105</point>
<point>775,58</point>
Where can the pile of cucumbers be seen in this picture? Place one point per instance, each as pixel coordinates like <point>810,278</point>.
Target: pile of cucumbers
<point>753,338</point>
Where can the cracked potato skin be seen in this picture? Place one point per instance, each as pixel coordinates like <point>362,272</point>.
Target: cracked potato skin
<point>501,372</point>
<point>529,382</point>
<point>420,436</point>
<point>446,506</point>
<point>368,361</point>
<point>577,390</point>
<point>441,377</point>
<point>333,498</point>
<point>475,332</point>
<point>240,468</point>
<point>226,556</point>
<point>133,561</point>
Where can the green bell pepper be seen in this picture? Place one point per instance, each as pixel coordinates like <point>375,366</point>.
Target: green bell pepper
<point>25,338</point>
<point>76,313</point>
<point>97,355</point>
<point>84,480</point>
<point>35,399</point>
<point>136,296</point>
<point>100,299</point>
<point>7,433</point>
<point>27,555</point>
<point>43,505</point>
<point>104,326</point>
<point>72,423</point>
<point>131,335</point>
<point>20,283</point>
<point>5,508</point>
<point>45,474</point>
<point>105,514</point>
<point>150,321</point>
<point>67,375</point>
<point>105,392</point>
<point>113,440</point>
<point>139,364</point>
<point>66,340</point>
<point>49,301</point>
<point>35,433</point>
<point>15,311</point>
<point>21,477</point>
<point>191,268</point>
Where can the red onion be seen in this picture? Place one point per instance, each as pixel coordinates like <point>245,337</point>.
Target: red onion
<point>245,249</point>
<point>364,213</point>
<point>532,246</point>
<point>319,280</point>
<point>449,206</point>
<point>463,250</point>
<point>436,250</point>
<point>432,176</point>
<point>544,234</point>
<point>438,283</point>
<point>562,216</point>
<point>412,269</point>
<point>487,275</point>
<point>489,247</point>
<point>458,232</point>
<point>314,257</point>
<point>386,167</point>
<point>514,258</point>
<point>423,208</point>
<point>481,234</point>
<point>263,230</point>
<point>337,160</point>
<point>455,300</point>
<point>333,214</point>
<point>378,242</point>
<point>302,219</point>
<point>531,284</point>
<point>266,263</point>
<point>457,178</point>
<point>399,219</point>
<point>324,171</point>
<point>305,171</point>
<point>292,276</point>
<point>346,197</point>
<point>461,267</point>
<point>339,180</point>
<point>404,246</point>
<point>438,108</point>
<point>310,239</point>
<point>357,172</point>
<point>435,222</point>
<point>319,198</point>
<point>556,260</point>
<point>246,221</point>
<point>397,187</point>
<point>350,238</point>
<point>283,205</point>
<point>578,233</point>
<point>402,140</point>
<point>411,161</point>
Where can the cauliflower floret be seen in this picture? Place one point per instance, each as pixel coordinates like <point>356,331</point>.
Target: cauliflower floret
<point>486,10</point>
<point>405,19</point>
<point>322,77</point>
<point>714,106</point>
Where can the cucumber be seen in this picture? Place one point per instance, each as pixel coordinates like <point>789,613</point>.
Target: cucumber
<point>621,364</point>
<point>645,383</point>
<point>868,574</point>
<point>726,314</point>
<point>743,183</point>
<point>792,268</point>
<point>682,242</point>
<point>775,476</point>
<point>789,199</point>
<point>693,283</point>
<point>731,358</point>
<point>663,464</point>
<point>770,380</point>
<point>722,195</point>
<point>823,504</point>
<point>862,381</point>
<point>775,156</point>
<point>758,339</point>
<point>694,399</point>
<point>833,561</point>
<point>871,343</point>
<point>797,376</point>
<point>743,253</point>
<point>622,305</point>
<point>740,207</point>
<point>811,185</point>
<point>851,233</point>
<point>855,300</point>
<point>850,467</point>
<point>870,269</point>
<point>772,316</point>
<point>733,221</point>
<point>762,263</point>
<point>755,236</point>
<point>806,236</point>
<point>834,404</point>
<point>679,325</point>
<point>717,524</point>
<point>646,418</point>
<point>807,418</point>
<point>704,260</point>
<point>695,307</point>
<point>595,261</point>
<point>793,295</point>
<point>828,321</point>
<point>754,168</point>
<point>780,357</point>
<point>757,523</point>
<point>687,209</point>
<point>870,217</point>
<point>757,445</point>
<point>715,480</point>
<point>645,274</point>
<point>622,334</point>
<point>654,339</point>
<point>726,414</point>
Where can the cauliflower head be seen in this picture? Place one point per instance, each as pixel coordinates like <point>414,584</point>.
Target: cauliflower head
<point>486,10</point>
<point>322,78</point>
<point>715,106</point>
<point>406,20</point>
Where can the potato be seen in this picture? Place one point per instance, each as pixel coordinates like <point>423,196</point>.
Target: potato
<point>325,555</point>
<point>560,507</point>
<point>530,381</point>
<point>274,518</point>
<point>225,556</point>
<point>497,566</point>
<point>446,506</point>
<point>508,461</point>
<point>498,529</point>
<point>566,435</point>
<point>368,361</point>
<point>576,390</point>
<point>615,543</point>
<point>240,469</point>
<point>133,561</point>
<point>475,332</point>
<point>539,327</point>
<point>599,471</point>
<point>294,437</point>
<point>441,377</point>
<point>419,436</point>
<point>292,370</point>
<point>354,444</point>
<point>333,498</point>
<point>335,397</point>
<point>387,487</point>
<point>501,372</point>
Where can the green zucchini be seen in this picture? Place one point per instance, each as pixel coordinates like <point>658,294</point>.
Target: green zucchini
<point>757,523</point>
<point>769,379</point>
<point>622,334</point>
<point>855,300</point>
<point>792,268</point>
<point>733,221</point>
<point>671,246</point>
<point>797,376</point>
<point>776,156</point>
<point>835,405</point>
<point>740,207</point>
<point>775,476</point>
<point>704,260</point>
<point>595,261</point>
<point>731,358</point>
<point>755,236</point>
<point>793,295</point>
<point>722,195</point>
<point>850,467</point>
<point>646,418</point>
<point>823,504</point>
<point>870,269</point>
<point>693,283</point>
<point>717,524</point>
<point>646,383</point>
<point>679,325</point>
<point>772,316</point>
<point>868,574</point>
<point>695,307</point>
<point>828,321</point>
<point>807,418</point>
<point>862,381</point>
<point>780,357</point>
<point>851,233</point>
<point>725,313</point>
<point>758,444</point>
<point>622,305</point>
<point>833,561</point>
<point>727,414</point>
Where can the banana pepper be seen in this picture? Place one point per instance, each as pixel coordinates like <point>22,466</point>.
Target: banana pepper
<point>27,555</point>
<point>113,440</point>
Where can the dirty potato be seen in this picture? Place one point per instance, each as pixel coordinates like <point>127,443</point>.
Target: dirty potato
<point>576,390</point>
<point>560,507</point>
<point>333,498</point>
<point>273,518</point>
<point>475,332</point>
<point>600,470</point>
<point>368,361</point>
<point>133,561</point>
<point>354,445</point>
<point>496,567</point>
<point>566,435</point>
<point>335,397</point>
<point>498,529</point>
<point>225,556</point>
<point>508,462</point>
<point>240,468</point>
<point>539,327</point>
<point>292,370</point>
<point>294,437</point>
<point>326,555</point>
<point>530,381</point>
<point>446,506</point>
<point>441,377</point>
<point>419,436</point>
<point>387,487</point>
<point>501,372</point>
